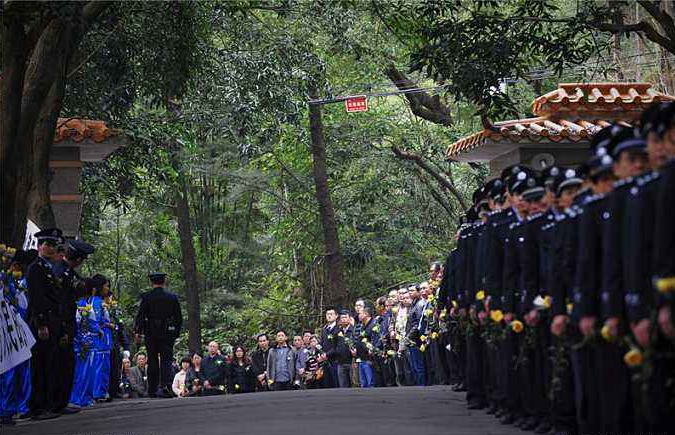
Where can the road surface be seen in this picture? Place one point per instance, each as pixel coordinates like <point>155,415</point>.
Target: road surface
<point>378,411</point>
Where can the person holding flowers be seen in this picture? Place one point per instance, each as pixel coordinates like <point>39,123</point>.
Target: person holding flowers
<point>89,334</point>
<point>240,377</point>
<point>103,343</point>
<point>367,343</point>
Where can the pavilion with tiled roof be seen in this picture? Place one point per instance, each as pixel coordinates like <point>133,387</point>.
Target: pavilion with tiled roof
<point>76,141</point>
<point>565,121</point>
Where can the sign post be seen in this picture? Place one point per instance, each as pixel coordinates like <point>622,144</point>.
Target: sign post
<point>357,103</point>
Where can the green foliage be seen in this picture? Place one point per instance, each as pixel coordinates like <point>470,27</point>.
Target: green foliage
<point>473,47</point>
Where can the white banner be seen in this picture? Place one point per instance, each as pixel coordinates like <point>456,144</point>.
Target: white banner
<point>16,339</point>
<point>30,242</point>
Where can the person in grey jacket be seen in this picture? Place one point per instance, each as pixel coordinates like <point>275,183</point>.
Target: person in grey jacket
<point>138,376</point>
<point>281,364</point>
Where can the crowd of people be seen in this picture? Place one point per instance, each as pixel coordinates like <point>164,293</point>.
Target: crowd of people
<point>554,311</point>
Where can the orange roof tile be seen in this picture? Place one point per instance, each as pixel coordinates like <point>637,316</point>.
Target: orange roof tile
<point>572,113</point>
<point>77,130</point>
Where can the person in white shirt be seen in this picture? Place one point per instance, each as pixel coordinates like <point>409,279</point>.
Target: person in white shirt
<point>178,386</point>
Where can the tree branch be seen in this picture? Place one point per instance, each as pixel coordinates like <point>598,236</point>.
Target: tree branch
<point>404,155</point>
<point>93,10</point>
<point>421,103</point>
<point>434,193</point>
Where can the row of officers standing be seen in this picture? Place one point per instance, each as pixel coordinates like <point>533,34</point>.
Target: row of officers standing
<point>562,282</point>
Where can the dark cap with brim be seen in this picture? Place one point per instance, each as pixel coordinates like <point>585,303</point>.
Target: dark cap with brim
<point>81,248</point>
<point>155,275</point>
<point>53,234</point>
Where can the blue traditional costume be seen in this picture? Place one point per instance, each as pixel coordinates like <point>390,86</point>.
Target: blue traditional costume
<point>88,333</point>
<point>15,384</point>
<point>102,346</point>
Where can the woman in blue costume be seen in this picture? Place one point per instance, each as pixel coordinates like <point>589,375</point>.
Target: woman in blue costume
<point>15,384</point>
<point>103,344</point>
<point>88,334</point>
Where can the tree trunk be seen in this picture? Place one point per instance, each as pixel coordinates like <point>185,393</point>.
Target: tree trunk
<point>34,57</point>
<point>335,285</point>
<point>39,201</point>
<point>189,265</point>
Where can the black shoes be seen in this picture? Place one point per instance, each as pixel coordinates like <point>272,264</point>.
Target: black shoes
<point>162,394</point>
<point>47,415</point>
<point>529,424</point>
<point>459,388</point>
<point>7,421</point>
<point>543,428</point>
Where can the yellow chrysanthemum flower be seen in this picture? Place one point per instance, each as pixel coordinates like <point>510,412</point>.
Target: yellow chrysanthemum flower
<point>517,326</point>
<point>423,338</point>
<point>434,335</point>
<point>570,307</point>
<point>496,316</point>
<point>547,302</point>
<point>607,334</point>
<point>391,352</point>
<point>454,304</point>
<point>633,357</point>
<point>665,285</point>
<point>423,348</point>
<point>480,295</point>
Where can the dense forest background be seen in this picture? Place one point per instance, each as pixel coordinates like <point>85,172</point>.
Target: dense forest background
<point>215,183</point>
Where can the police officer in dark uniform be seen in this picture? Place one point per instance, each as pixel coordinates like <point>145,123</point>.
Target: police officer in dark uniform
<point>662,131</point>
<point>159,319</point>
<point>511,284</point>
<point>72,286</point>
<point>656,413</point>
<point>46,322</point>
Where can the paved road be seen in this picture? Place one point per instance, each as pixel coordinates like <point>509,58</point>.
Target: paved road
<point>379,411</point>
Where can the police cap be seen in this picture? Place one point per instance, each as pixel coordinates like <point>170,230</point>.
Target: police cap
<point>83,249</point>
<point>567,178</point>
<point>52,234</point>
<point>156,275</point>
<point>627,139</point>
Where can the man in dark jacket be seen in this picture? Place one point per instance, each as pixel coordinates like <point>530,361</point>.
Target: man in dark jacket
<point>343,342</point>
<point>46,322</point>
<point>366,345</point>
<point>72,288</point>
<point>328,332</point>
<point>159,319</point>
<point>214,370</point>
<point>259,362</point>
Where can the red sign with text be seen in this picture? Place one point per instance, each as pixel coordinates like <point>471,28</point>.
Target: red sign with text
<point>356,104</point>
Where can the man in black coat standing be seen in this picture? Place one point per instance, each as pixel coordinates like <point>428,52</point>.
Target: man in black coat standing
<point>259,362</point>
<point>46,323</point>
<point>72,288</point>
<point>159,319</point>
